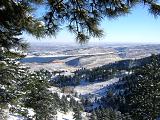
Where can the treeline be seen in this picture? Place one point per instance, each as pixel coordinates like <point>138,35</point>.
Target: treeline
<point>139,95</point>
<point>98,74</point>
<point>135,97</point>
<point>108,114</point>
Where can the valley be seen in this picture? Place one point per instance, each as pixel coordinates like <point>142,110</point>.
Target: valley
<point>75,57</point>
<point>86,81</point>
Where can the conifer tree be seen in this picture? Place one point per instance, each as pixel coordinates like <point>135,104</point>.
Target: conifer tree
<point>77,113</point>
<point>143,100</point>
<point>11,76</point>
<point>93,116</point>
<point>14,19</point>
<point>64,104</point>
<point>38,97</point>
<point>81,17</point>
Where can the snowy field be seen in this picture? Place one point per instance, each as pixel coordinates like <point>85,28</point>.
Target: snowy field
<point>97,89</point>
<point>69,63</point>
<point>59,116</point>
<point>69,116</point>
<point>50,66</point>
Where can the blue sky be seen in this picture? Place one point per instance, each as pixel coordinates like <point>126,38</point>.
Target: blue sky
<point>137,27</point>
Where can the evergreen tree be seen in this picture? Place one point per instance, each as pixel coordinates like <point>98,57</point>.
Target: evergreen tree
<point>80,17</point>
<point>14,18</point>
<point>143,99</point>
<point>11,76</point>
<point>77,113</point>
<point>38,97</point>
<point>64,104</point>
<point>106,114</point>
<point>93,116</point>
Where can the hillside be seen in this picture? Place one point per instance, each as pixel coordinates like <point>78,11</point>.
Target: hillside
<point>72,58</point>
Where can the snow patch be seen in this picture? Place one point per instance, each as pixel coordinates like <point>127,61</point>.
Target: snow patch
<point>62,116</point>
<point>95,88</point>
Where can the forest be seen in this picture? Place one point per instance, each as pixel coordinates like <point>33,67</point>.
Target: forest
<point>27,94</point>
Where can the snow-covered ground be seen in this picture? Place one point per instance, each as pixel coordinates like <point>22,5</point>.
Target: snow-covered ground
<point>50,66</point>
<point>97,89</point>
<point>85,88</point>
<point>12,117</point>
<point>69,116</point>
<point>60,116</point>
<point>87,58</point>
<point>97,61</point>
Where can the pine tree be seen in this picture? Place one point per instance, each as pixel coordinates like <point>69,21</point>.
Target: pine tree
<point>93,116</point>
<point>11,76</point>
<point>57,100</point>
<point>64,104</point>
<point>77,113</point>
<point>80,17</point>
<point>142,102</point>
<point>14,18</point>
<point>38,97</point>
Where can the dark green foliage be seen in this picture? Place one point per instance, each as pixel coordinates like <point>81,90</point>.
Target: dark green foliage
<point>93,75</point>
<point>62,81</point>
<point>77,113</point>
<point>44,103</point>
<point>105,114</point>
<point>139,99</point>
<point>136,96</point>
<point>37,96</point>
<point>72,102</point>
<point>15,18</point>
<point>143,102</point>
<point>82,17</point>
<point>11,75</point>
<point>93,116</point>
<point>110,100</point>
<point>64,104</point>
